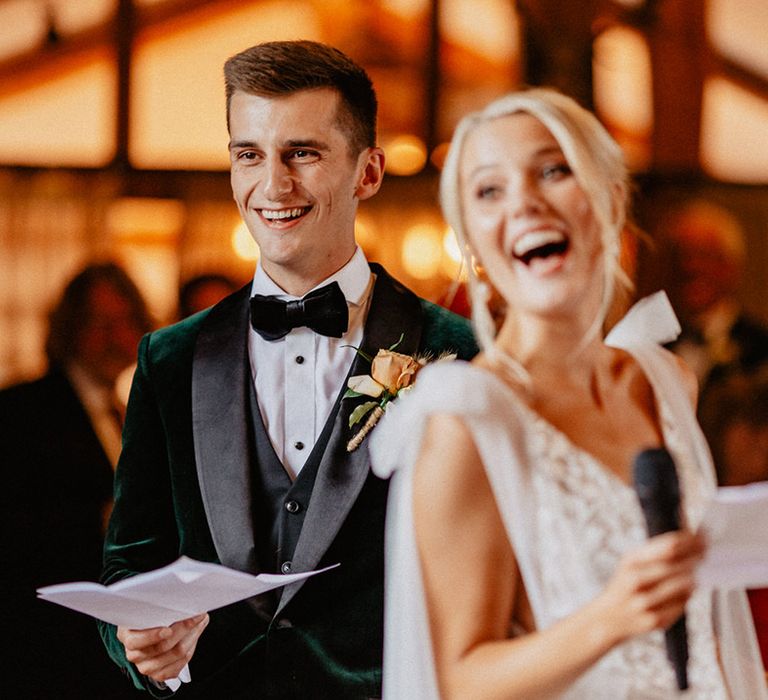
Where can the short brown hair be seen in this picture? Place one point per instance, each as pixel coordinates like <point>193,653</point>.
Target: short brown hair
<point>279,68</point>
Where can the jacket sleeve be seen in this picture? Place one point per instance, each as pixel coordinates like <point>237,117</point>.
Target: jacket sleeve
<point>445,331</point>
<point>141,535</point>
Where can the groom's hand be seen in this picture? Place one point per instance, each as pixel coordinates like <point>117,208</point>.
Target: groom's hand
<point>162,652</point>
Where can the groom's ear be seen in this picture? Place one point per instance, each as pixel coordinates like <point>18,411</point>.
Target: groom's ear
<point>371,164</point>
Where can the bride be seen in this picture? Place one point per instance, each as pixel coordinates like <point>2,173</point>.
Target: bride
<point>518,564</point>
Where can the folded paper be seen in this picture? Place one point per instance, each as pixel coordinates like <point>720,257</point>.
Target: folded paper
<point>736,527</point>
<point>159,598</point>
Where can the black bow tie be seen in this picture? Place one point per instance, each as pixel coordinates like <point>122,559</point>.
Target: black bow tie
<point>324,311</point>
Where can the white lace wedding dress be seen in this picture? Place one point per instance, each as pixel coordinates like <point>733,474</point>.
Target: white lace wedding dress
<point>569,520</point>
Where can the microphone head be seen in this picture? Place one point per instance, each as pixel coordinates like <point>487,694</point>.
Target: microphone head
<point>655,476</point>
<point>658,490</point>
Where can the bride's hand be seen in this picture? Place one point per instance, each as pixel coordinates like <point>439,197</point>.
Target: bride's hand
<point>652,584</point>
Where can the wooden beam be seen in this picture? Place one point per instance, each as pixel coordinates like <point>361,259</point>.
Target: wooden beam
<point>124,31</point>
<point>679,48</point>
<point>74,49</point>
<point>745,78</point>
<point>557,39</point>
<point>433,71</point>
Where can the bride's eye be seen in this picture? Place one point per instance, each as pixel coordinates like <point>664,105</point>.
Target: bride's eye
<point>488,192</point>
<point>556,171</point>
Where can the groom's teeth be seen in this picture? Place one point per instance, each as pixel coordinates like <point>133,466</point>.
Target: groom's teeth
<point>277,214</point>
<point>536,239</point>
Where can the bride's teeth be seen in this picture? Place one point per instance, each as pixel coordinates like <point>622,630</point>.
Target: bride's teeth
<point>535,239</point>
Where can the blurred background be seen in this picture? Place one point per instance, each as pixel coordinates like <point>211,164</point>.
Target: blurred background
<point>113,142</point>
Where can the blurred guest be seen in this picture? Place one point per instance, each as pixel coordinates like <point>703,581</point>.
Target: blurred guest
<point>735,418</point>
<point>59,440</point>
<point>205,290</point>
<point>709,254</point>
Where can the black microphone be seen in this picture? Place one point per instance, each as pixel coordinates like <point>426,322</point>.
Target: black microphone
<point>657,488</point>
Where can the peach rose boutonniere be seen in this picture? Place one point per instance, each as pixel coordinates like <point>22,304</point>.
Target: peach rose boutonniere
<point>391,374</point>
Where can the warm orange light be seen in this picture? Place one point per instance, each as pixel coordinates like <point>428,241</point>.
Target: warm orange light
<point>67,120</point>
<point>623,91</point>
<point>734,133</point>
<point>177,108</point>
<point>406,155</point>
<point>622,79</point>
<point>439,154</point>
<point>737,30</point>
<point>407,9</point>
<point>365,230</point>
<point>451,263</point>
<point>422,251</point>
<point>490,31</point>
<point>143,217</point>
<point>243,244</point>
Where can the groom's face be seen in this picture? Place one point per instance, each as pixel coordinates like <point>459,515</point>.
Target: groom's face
<point>297,182</point>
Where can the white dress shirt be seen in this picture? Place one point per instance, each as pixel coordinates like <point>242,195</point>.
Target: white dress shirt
<point>299,376</point>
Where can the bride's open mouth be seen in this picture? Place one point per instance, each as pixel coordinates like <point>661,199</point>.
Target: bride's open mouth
<point>540,245</point>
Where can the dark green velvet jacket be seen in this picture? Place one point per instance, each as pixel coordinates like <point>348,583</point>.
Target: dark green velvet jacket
<point>184,487</point>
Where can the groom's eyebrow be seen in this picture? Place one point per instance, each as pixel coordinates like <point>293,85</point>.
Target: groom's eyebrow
<point>307,143</point>
<point>314,144</point>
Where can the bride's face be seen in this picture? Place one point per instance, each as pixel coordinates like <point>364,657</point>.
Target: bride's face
<point>527,218</point>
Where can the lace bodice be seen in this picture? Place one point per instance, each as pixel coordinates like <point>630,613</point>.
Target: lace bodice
<point>569,521</point>
<point>587,516</point>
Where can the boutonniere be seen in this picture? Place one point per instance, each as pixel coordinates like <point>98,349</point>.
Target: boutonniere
<point>392,373</point>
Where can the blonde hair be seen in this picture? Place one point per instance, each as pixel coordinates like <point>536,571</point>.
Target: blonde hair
<point>597,164</point>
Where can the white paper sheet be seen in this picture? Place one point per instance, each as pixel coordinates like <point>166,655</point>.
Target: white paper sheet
<point>164,596</point>
<point>736,527</point>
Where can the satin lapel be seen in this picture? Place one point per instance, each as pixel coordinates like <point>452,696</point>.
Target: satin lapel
<point>394,311</point>
<point>219,420</point>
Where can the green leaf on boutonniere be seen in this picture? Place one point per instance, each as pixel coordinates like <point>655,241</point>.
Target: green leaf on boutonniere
<point>399,340</point>
<point>351,394</point>
<point>359,413</point>
<point>362,354</point>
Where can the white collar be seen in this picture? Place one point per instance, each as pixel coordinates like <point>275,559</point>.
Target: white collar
<point>354,279</point>
<point>94,396</point>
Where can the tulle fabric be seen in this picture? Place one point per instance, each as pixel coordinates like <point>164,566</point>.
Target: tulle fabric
<point>559,505</point>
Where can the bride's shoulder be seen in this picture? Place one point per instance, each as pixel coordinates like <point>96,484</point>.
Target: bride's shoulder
<point>455,386</point>
<point>479,371</point>
<point>452,398</point>
<point>641,374</point>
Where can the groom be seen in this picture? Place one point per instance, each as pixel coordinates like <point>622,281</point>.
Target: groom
<point>235,443</point>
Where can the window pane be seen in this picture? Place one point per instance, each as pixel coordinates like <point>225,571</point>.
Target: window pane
<point>178,118</point>
<point>737,29</point>
<point>479,56</point>
<point>389,38</point>
<point>734,139</point>
<point>623,95</point>
<point>61,116</point>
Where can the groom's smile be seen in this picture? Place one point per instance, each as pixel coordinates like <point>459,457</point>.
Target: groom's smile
<point>280,218</point>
